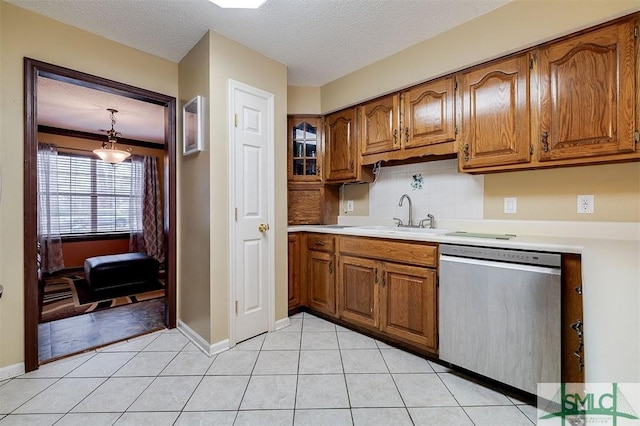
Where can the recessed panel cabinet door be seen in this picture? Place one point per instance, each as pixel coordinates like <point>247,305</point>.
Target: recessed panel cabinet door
<point>380,125</point>
<point>341,146</point>
<point>408,304</point>
<point>495,109</point>
<point>429,114</point>
<point>294,271</point>
<point>321,281</point>
<point>587,93</point>
<point>360,279</point>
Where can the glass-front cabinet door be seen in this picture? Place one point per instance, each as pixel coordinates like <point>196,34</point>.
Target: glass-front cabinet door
<point>305,148</point>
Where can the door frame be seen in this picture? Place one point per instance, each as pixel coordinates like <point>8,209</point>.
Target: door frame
<point>234,85</point>
<point>32,69</point>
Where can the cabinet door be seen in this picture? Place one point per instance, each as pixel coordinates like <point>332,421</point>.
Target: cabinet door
<point>587,89</point>
<point>408,304</point>
<point>321,281</point>
<point>359,283</point>
<point>495,109</point>
<point>429,114</point>
<point>294,271</point>
<point>305,149</point>
<point>380,125</point>
<point>341,146</point>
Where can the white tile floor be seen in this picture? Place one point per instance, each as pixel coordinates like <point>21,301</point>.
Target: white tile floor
<point>310,373</point>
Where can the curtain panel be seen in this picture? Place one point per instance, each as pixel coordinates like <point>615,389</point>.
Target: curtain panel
<point>146,209</point>
<point>49,240</point>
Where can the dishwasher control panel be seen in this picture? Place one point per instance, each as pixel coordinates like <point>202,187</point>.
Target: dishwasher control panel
<point>502,255</point>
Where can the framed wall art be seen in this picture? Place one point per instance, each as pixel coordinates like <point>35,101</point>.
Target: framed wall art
<point>192,126</point>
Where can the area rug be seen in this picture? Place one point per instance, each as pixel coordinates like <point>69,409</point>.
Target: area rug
<point>67,294</point>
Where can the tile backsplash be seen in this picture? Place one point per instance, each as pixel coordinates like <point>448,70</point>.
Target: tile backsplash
<point>435,187</point>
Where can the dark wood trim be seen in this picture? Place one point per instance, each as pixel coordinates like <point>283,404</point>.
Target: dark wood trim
<point>97,137</point>
<point>95,237</point>
<point>31,288</point>
<point>32,69</point>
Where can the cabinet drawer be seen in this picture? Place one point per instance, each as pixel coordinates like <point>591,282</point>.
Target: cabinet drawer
<point>414,253</point>
<point>321,242</point>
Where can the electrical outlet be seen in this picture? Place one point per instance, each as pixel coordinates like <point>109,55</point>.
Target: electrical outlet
<point>510,205</point>
<point>585,204</point>
<point>349,205</point>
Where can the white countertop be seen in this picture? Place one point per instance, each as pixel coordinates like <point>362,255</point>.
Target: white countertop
<point>610,277</point>
<point>522,242</point>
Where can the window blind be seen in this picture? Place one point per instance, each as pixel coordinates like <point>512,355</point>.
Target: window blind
<point>93,195</point>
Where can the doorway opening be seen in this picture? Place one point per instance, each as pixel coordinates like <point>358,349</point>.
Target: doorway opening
<point>35,72</point>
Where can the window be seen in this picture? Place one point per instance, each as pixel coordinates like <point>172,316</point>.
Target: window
<point>93,196</point>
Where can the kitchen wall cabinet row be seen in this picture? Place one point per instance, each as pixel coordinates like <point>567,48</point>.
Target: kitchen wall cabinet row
<point>570,102</point>
<point>389,289</point>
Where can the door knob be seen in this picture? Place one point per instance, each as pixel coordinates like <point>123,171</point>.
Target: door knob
<point>263,227</point>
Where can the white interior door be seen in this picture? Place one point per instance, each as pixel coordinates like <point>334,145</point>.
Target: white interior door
<point>252,269</point>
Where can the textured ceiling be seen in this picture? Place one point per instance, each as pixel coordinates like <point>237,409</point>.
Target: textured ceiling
<point>318,40</point>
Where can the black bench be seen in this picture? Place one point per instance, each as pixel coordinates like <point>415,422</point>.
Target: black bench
<point>120,270</point>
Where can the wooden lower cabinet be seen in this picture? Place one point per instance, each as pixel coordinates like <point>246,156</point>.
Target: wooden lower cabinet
<point>359,299</point>
<point>321,282</point>
<point>408,304</point>
<point>399,300</point>
<point>295,297</point>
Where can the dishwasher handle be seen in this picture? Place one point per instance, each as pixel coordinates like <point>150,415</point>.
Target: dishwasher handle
<point>495,264</point>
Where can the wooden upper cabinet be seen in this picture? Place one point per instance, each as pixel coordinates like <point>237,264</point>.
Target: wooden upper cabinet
<point>342,155</point>
<point>305,149</point>
<point>380,125</point>
<point>495,114</point>
<point>428,114</point>
<point>587,94</point>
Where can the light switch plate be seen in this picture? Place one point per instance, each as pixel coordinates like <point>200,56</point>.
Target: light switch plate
<point>510,205</point>
<point>349,205</point>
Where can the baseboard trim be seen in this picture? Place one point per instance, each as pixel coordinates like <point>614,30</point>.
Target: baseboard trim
<point>282,323</point>
<point>11,371</point>
<point>218,347</point>
<point>194,337</point>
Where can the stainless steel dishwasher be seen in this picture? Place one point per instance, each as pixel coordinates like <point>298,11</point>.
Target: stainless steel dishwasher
<point>499,313</point>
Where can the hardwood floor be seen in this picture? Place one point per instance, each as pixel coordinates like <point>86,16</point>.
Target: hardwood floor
<point>77,334</point>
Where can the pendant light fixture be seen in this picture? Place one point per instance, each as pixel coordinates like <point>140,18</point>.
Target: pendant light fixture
<point>108,152</point>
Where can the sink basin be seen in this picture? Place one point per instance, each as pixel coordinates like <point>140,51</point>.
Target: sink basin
<point>401,230</point>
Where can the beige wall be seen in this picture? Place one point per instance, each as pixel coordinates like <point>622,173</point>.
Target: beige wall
<point>303,100</point>
<point>194,288</point>
<point>515,26</point>
<point>230,60</point>
<point>23,33</point>
<point>551,194</point>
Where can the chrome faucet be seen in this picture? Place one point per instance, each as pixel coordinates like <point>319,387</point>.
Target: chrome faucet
<point>410,223</point>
